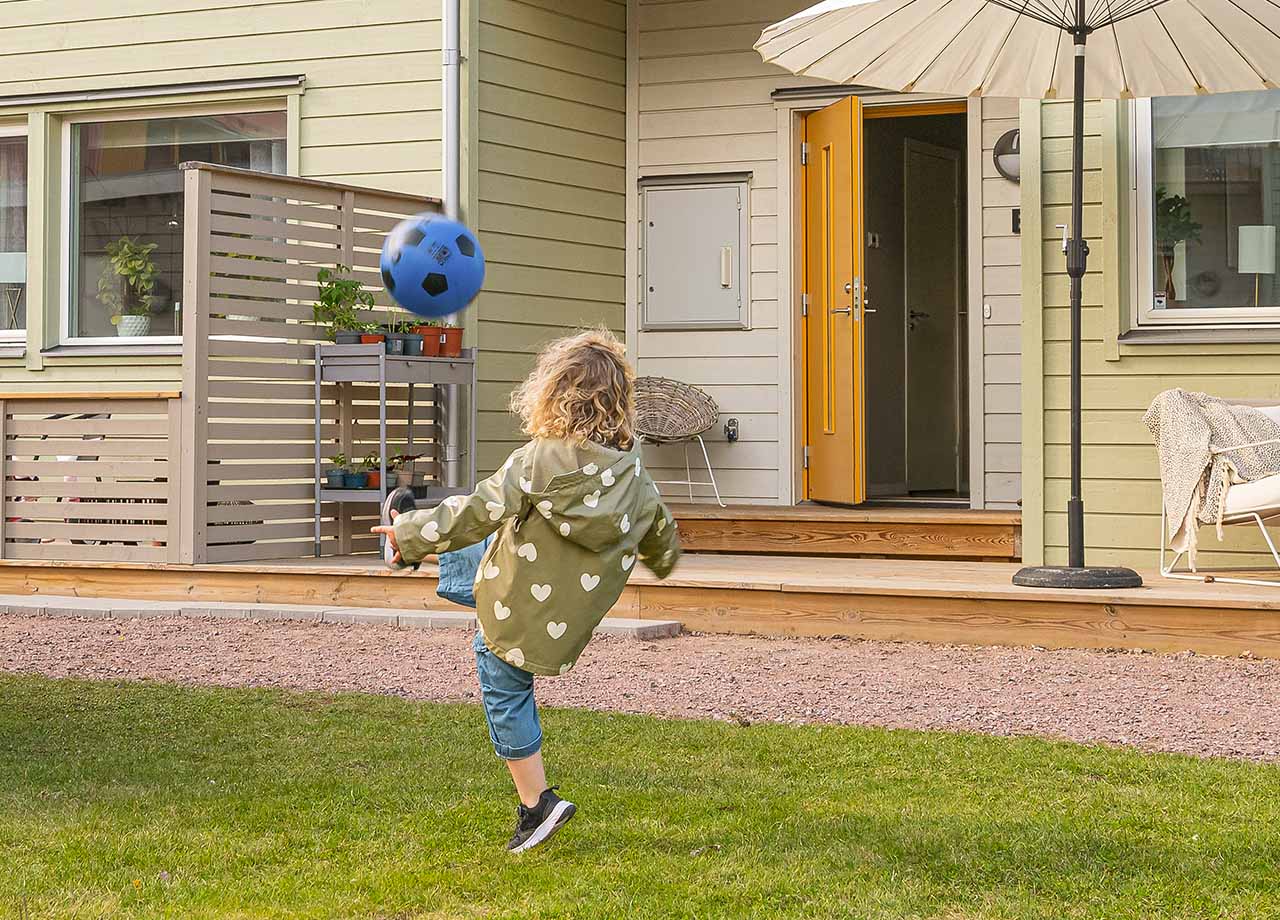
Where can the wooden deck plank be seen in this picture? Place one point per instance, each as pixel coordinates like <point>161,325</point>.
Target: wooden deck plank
<point>970,603</point>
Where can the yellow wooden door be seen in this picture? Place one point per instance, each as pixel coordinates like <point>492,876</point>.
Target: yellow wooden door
<point>835,423</point>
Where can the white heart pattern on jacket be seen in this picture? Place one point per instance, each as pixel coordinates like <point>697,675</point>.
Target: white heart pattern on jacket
<point>540,592</point>
<point>565,528</point>
<point>528,551</point>
<point>431,532</point>
<point>589,581</point>
<point>501,611</point>
<point>556,630</point>
<point>591,469</point>
<point>516,657</point>
<point>491,572</point>
<point>628,562</point>
<point>564,669</point>
<point>607,478</point>
<point>544,509</point>
<point>526,485</point>
<point>662,524</point>
<point>625,526</point>
<point>591,500</point>
<point>455,502</point>
<point>496,510</point>
<point>637,473</point>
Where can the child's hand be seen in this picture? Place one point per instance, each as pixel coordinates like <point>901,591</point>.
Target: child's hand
<point>390,534</point>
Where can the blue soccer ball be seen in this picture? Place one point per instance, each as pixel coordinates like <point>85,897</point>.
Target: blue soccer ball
<point>431,265</point>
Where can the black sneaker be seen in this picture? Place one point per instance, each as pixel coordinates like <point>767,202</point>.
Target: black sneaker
<point>401,500</point>
<point>536,825</point>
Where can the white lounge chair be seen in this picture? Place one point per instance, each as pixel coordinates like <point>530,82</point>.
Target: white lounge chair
<point>1247,503</point>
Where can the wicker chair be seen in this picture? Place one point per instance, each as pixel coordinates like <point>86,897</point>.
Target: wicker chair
<point>671,412</point>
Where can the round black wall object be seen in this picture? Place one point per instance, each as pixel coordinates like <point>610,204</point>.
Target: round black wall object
<point>1007,155</point>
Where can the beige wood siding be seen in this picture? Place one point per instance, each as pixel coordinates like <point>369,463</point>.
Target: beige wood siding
<point>551,202</point>
<point>1002,332</point>
<point>1120,467</point>
<point>704,107</point>
<point>369,114</point>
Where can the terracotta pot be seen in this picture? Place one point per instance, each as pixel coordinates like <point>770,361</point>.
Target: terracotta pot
<point>431,341</point>
<point>373,479</point>
<point>450,341</point>
<point>372,338</point>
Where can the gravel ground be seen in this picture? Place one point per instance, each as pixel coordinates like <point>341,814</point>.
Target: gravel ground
<point>1183,703</point>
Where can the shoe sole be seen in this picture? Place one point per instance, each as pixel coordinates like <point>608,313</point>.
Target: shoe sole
<point>558,818</point>
<point>401,500</point>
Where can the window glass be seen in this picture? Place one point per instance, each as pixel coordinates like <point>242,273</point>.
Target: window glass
<point>126,234</point>
<point>13,233</point>
<point>1216,201</point>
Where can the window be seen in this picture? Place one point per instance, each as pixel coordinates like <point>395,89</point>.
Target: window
<point>126,210</point>
<point>1208,205</point>
<point>13,233</point>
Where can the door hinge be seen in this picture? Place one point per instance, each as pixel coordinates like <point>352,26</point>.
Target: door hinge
<point>806,456</point>
<point>804,304</point>
<point>804,154</point>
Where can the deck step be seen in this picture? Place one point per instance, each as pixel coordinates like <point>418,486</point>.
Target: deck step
<point>124,608</point>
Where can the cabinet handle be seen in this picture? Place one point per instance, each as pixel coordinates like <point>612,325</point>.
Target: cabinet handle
<point>726,266</point>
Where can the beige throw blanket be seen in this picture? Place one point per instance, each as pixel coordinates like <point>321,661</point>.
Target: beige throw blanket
<point>1187,428</point>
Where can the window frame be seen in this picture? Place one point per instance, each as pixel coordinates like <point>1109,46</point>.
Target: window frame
<point>1142,249</point>
<point>66,195</point>
<point>9,337</point>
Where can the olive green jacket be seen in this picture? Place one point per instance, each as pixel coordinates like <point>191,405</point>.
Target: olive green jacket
<point>572,522</point>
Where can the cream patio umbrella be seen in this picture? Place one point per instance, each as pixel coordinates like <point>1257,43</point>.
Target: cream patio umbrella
<point>1035,49</point>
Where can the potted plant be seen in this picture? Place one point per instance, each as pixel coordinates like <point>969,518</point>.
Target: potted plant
<point>450,341</point>
<point>373,468</point>
<point>430,332</point>
<point>1173,226</point>
<point>413,339</point>
<point>401,464</point>
<point>372,334</point>
<point>335,476</point>
<point>355,477</point>
<point>395,338</point>
<point>127,285</point>
<point>340,301</point>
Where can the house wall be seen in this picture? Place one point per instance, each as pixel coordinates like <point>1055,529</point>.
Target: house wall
<point>702,100</point>
<point>1121,483</point>
<point>368,113</point>
<point>548,194</point>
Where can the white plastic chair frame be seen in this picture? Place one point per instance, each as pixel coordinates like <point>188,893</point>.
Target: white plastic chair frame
<point>1258,517</point>
<point>689,481</point>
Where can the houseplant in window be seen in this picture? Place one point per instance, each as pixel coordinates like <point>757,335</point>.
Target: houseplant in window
<point>1173,226</point>
<point>127,285</point>
<point>340,300</point>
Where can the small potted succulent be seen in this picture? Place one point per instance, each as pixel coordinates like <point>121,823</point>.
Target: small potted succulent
<point>335,476</point>
<point>127,285</point>
<point>373,471</point>
<point>450,341</point>
<point>341,299</point>
<point>355,477</point>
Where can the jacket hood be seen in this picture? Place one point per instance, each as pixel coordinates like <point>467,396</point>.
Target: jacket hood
<point>594,491</point>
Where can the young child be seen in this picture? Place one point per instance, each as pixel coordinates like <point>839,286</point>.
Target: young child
<point>573,510</point>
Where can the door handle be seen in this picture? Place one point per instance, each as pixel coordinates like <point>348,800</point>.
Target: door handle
<point>848,287</point>
<point>917,314</point>
<point>848,311</point>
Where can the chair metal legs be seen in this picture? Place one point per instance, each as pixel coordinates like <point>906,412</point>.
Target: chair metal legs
<point>689,481</point>
<point>1170,570</point>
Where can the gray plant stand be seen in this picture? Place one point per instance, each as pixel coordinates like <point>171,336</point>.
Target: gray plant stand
<point>371,364</point>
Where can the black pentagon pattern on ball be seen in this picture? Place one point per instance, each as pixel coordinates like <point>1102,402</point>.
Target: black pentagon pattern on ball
<point>389,280</point>
<point>435,284</point>
<point>465,245</point>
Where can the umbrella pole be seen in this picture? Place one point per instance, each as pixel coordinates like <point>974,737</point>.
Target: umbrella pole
<point>1075,574</point>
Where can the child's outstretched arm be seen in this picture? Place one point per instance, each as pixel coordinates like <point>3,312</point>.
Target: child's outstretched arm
<point>660,548</point>
<point>458,521</point>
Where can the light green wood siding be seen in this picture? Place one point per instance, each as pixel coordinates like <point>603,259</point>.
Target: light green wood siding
<point>550,205</point>
<point>369,113</point>
<point>1121,474</point>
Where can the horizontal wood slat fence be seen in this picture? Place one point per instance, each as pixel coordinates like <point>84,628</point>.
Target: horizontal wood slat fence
<point>223,470</point>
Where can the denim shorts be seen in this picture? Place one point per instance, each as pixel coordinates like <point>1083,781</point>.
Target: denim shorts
<point>507,693</point>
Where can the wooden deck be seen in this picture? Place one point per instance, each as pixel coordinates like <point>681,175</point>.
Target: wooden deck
<point>954,602</point>
<point>818,530</point>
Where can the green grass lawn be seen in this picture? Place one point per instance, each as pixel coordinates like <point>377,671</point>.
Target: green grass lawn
<point>138,800</point>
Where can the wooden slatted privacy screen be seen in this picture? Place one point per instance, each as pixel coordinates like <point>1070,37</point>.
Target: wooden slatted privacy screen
<point>254,243</point>
<point>90,479</point>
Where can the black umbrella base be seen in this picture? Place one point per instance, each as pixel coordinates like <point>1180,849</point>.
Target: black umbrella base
<point>1061,576</point>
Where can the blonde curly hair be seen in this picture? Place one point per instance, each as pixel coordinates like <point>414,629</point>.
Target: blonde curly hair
<point>581,389</point>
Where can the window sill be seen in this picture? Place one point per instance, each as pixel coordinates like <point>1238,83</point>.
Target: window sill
<point>163,349</point>
<point>1190,335</point>
<point>12,350</point>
